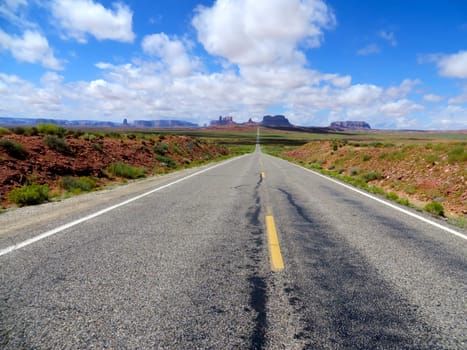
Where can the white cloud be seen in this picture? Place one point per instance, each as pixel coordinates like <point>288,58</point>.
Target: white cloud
<point>400,108</point>
<point>369,50</point>
<point>460,99</point>
<point>249,32</point>
<point>432,98</point>
<point>389,37</point>
<point>32,47</point>
<point>360,94</point>
<point>453,66</point>
<point>172,52</point>
<point>81,17</point>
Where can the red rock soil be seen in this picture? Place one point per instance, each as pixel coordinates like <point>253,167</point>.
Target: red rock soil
<point>44,165</point>
<point>416,172</point>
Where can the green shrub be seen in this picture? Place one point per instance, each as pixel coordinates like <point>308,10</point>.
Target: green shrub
<point>354,171</point>
<point>29,194</point>
<point>77,185</point>
<point>457,154</point>
<point>98,147</point>
<point>366,157</point>
<point>167,161</point>
<point>125,170</point>
<point>51,129</point>
<point>19,130</point>
<point>161,149</point>
<point>89,137</point>
<point>431,158</point>
<point>13,149</point>
<point>435,208</point>
<point>4,131</point>
<point>392,196</point>
<point>57,143</point>
<point>374,175</point>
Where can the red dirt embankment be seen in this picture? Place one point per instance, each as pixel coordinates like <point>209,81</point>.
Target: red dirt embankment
<point>88,156</point>
<point>419,172</point>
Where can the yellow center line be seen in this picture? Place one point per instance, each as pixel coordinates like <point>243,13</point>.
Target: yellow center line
<point>263,174</point>
<point>277,264</point>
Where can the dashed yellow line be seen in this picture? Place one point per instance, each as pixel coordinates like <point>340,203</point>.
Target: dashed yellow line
<point>277,263</point>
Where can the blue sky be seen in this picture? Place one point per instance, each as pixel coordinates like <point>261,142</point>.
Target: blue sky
<point>395,64</point>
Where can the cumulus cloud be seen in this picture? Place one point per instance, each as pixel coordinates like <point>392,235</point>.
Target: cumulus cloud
<point>432,98</point>
<point>389,37</point>
<point>249,32</point>
<point>453,66</point>
<point>401,108</point>
<point>78,18</point>
<point>370,49</point>
<point>32,47</point>
<point>171,51</point>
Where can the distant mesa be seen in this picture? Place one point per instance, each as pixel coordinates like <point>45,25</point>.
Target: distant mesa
<point>223,121</point>
<point>97,123</point>
<point>268,120</point>
<point>350,125</point>
<point>276,121</point>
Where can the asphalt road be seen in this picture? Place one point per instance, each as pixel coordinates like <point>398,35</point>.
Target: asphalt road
<point>188,267</point>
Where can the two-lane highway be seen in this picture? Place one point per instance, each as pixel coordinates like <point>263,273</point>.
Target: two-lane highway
<point>188,265</point>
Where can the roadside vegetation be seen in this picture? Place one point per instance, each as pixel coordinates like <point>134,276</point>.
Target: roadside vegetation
<point>420,170</point>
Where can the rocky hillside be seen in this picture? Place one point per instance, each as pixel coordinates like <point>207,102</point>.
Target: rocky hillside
<point>48,157</point>
<point>421,173</point>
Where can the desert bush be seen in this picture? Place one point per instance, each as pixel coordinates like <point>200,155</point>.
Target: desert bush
<point>14,149</point>
<point>161,148</point>
<point>29,194</point>
<point>58,144</point>
<point>354,171</point>
<point>51,129</point>
<point>125,170</point>
<point>77,185</point>
<point>366,157</point>
<point>374,175</point>
<point>435,208</point>
<point>167,161</point>
<point>457,154</point>
<point>431,158</point>
<point>392,196</point>
<point>98,147</point>
<point>4,131</point>
<point>89,137</point>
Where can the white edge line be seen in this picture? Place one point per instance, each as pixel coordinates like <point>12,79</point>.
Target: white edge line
<point>106,210</point>
<point>402,210</point>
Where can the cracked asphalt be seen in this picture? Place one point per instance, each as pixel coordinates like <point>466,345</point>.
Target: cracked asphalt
<point>187,267</point>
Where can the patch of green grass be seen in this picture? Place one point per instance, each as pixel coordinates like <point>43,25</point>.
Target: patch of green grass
<point>435,208</point>
<point>58,144</point>
<point>4,131</point>
<point>78,185</point>
<point>371,176</point>
<point>354,171</point>
<point>51,129</point>
<point>98,147</point>
<point>457,154</point>
<point>127,171</point>
<point>29,194</point>
<point>14,149</point>
<point>89,137</point>
<point>366,157</point>
<point>392,196</point>
<point>164,160</point>
<point>161,148</point>
<point>431,158</point>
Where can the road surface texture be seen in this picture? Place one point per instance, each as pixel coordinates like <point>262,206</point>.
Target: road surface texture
<point>188,267</point>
